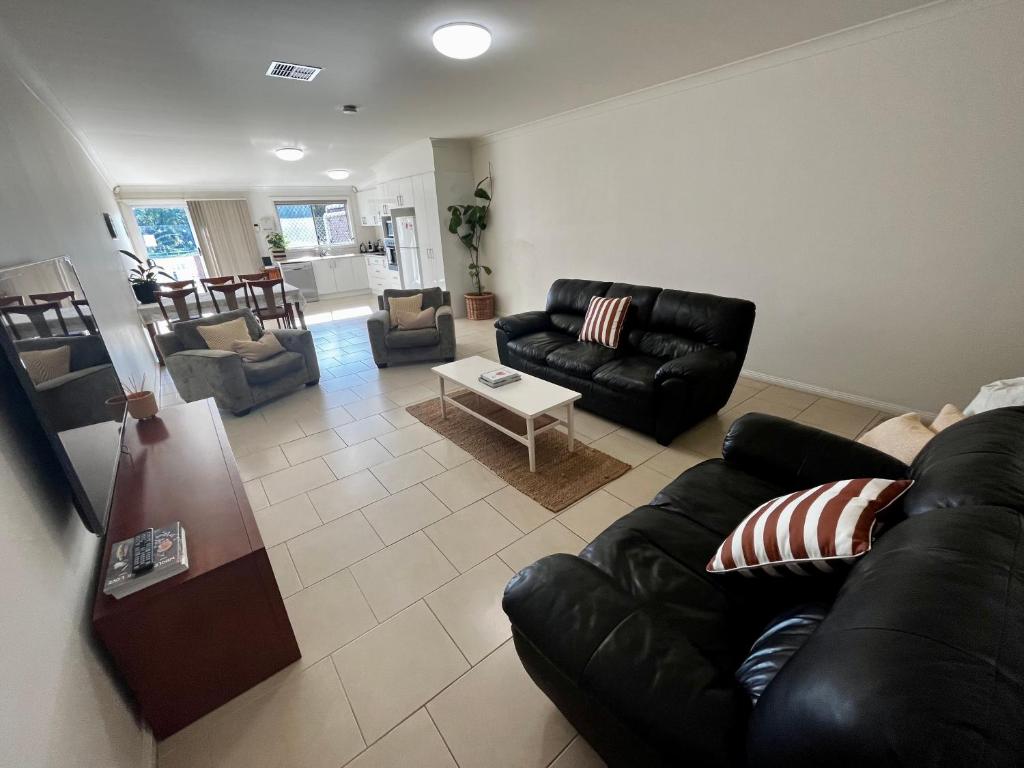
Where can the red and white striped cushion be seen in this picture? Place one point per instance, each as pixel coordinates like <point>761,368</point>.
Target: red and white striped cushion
<point>604,320</point>
<point>808,531</point>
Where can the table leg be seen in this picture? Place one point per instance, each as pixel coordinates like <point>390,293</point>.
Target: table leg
<point>532,445</point>
<point>444,412</point>
<point>570,410</point>
<point>302,316</point>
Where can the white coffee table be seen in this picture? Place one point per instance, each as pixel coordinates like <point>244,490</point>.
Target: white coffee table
<point>530,397</point>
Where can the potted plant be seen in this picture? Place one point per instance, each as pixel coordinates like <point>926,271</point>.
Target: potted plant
<point>277,243</point>
<point>468,223</point>
<point>143,278</point>
<point>141,402</point>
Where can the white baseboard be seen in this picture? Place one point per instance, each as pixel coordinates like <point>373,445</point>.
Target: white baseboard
<point>846,397</point>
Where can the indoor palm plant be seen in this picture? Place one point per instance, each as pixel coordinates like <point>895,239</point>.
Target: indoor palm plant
<point>468,223</point>
<point>143,277</point>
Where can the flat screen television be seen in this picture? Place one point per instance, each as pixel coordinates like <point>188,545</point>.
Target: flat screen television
<point>55,362</point>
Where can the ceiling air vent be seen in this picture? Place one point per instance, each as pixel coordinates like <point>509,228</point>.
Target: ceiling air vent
<point>292,71</point>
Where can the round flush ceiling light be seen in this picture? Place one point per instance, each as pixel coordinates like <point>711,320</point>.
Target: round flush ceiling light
<point>338,174</point>
<point>462,40</point>
<point>291,154</point>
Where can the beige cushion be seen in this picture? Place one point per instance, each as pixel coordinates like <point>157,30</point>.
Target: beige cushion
<point>902,437</point>
<point>254,351</point>
<point>398,304</point>
<point>413,321</point>
<point>948,416</point>
<point>223,335</point>
<point>45,364</point>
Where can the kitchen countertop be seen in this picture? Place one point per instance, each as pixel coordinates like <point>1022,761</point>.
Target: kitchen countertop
<point>309,259</point>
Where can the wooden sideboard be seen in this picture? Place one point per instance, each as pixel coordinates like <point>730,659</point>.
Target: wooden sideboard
<point>190,643</point>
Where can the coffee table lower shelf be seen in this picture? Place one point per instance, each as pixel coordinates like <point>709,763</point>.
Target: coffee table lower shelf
<point>522,429</point>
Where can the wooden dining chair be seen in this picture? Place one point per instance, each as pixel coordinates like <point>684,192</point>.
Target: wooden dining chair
<point>254,276</point>
<point>275,305</point>
<point>179,301</point>
<point>59,297</point>
<point>228,293</point>
<point>8,301</point>
<point>36,317</point>
<point>177,285</point>
<point>208,281</point>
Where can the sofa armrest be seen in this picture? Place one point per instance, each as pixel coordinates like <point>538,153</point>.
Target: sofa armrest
<point>575,627</point>
<point>202,373</point>
<point>168,344</point>
<point>801,456</point>
<point>301,341</point>
<point>445,322</point>
<point>701,364</point>
<point>523,323</point>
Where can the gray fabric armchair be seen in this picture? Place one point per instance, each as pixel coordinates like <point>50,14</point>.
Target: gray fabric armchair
<point>78,398</point>
<point>236,386</point>
<point>390,345</point>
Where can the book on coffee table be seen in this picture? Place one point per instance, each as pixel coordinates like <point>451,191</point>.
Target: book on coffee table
<point>499,377</point>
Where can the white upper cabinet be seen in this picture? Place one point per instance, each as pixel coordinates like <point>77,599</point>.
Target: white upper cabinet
<point>405,197</point>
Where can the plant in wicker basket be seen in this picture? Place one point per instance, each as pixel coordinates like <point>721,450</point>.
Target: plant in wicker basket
<point>468,223</point>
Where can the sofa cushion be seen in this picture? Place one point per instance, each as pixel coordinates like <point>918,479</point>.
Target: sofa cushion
<point>704,318</point>
<point>605,320</point>
<point>571,324</point>
<point>630,374</point>
<point>537,346</point>
<point>189,337</point>
<point>431,297</point>
<point>422,337</point>
<point>664,345</point>
<point>571,297</point>
<point>274,368</point>
<point>580,358</point>
<point>638,318</point>
<point>223,336</point>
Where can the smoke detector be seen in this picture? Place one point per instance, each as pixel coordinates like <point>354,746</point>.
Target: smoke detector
<point>288,71</point>
<point>347,109</point>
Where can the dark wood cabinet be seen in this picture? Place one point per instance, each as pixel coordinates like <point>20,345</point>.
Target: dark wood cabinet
<point>190,643</point>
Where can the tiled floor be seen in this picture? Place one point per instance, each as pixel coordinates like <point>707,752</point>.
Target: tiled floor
<point>392,546</point>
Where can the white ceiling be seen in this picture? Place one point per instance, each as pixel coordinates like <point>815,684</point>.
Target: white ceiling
<point>173,91</point>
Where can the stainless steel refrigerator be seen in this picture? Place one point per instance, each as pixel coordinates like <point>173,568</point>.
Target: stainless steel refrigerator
<point>408,247</point>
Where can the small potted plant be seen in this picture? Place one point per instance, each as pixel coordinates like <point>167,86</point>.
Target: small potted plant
<point>143,278</point>
<point>468,223</point>
<point>277,243</point>
<point>141,402</point>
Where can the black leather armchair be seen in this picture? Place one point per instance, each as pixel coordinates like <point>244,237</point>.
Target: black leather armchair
<point>916,663</point>
<point>678,358</point>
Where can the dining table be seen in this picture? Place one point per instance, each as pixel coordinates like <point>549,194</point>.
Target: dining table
<point>151,315</point>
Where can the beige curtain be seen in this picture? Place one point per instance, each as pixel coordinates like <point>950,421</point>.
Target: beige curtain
<point>226,236</point>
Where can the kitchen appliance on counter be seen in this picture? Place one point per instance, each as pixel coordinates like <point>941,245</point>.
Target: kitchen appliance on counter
<point>300,275</point>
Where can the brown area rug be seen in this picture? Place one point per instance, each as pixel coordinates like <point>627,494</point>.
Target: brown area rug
<point>561,479</point>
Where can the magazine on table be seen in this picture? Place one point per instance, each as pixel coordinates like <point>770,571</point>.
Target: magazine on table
<point>170,557</point>
<point>499,377</point>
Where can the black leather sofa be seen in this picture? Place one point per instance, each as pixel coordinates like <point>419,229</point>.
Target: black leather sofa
<point>678,358</point>
<point>919,660</point>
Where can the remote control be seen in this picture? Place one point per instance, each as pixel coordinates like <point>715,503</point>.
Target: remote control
<point>142,551</point>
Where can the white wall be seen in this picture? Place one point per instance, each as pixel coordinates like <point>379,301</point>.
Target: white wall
<point>60,704</point>
<point>866,190</point>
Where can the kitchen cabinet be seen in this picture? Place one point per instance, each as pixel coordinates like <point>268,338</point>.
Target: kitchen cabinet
<point>369,207</point>
<point>428,230</point>
<point>379,276</point>
<point>344,274</point>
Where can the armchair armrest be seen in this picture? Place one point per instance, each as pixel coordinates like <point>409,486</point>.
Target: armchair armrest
<point>445,322</point>
<point>802,456</point>
<point>301,341</point>
<point>700,364</point>
<point>168,344</point>
<point>202,373</point>
<point>523,323</point>
<point>377,326</point>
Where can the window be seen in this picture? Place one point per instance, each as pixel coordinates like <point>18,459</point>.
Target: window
<point>316,224</point>
<point>169,239</point>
